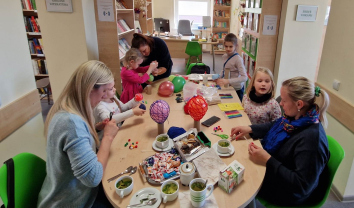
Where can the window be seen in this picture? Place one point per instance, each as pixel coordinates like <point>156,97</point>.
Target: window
<point>192,10</point>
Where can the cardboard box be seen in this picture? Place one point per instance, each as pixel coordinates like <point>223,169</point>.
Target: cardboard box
<point>231,176</point>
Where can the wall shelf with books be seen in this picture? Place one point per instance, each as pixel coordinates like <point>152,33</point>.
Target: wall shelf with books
<point>259,49</point>
<point>144,11</point>
<point>111,34</point>
<point>221,23</point>
<point>34,36</point>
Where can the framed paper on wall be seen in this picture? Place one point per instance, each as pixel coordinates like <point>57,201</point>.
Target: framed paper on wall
<point>59,6</point>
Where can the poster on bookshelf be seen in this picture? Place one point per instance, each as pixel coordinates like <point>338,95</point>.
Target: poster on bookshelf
<point>105,10</point>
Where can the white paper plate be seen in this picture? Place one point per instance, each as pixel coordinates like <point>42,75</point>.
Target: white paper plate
<point>144,193</point>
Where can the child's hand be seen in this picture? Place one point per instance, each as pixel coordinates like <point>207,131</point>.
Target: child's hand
<point>153,64</point>
<point>100,126</point>
<point>155,72</point>
<point>140,74</point>
<point>222,82</point>
<point>110,129</point>
<point>257,154</point>
<point>138,112</point>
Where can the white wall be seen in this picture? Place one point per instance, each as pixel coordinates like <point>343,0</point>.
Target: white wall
<point>299,42</point>
<point>65,42</point>
<point>90,29</point>
<point>337,63</point>
<point>16,80</point>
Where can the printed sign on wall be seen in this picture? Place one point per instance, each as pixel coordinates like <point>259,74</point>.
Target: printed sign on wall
<point>306,13</point>
<point>59,5</point>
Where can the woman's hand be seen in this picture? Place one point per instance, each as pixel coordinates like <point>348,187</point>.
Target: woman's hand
<point>222,81</point>
<point>138,112</point>
<point>258,155</point>
<point>155,72</point>
<point>240,131</point>
<point>110,129</point>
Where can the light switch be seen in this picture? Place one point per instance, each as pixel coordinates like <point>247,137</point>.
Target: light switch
<point>336,84</point>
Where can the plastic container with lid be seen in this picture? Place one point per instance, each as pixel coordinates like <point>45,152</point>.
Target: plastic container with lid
<point>189,90</point>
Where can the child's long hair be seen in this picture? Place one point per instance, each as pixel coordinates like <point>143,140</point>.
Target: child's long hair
<point>75,98</point>
<point>132,54</point>
<point>251,84</point>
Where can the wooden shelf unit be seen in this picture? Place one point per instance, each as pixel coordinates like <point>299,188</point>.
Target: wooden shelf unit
<point>221,13</point>
<point>267,44</point>
<point>108,37</point>
<point>145,17</point>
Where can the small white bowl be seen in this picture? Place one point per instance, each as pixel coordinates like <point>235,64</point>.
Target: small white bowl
<point>162,144</point>
<point>126,191</point>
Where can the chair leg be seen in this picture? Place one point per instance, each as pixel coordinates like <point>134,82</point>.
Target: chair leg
<point>187,65</point>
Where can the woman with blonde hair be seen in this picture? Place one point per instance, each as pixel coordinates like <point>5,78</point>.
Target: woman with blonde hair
<point>295,146</point>
<point>259,102</point>
<point>74,170</point>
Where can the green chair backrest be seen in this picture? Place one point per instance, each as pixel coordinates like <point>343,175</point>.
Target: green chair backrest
<point>193,48</point>
<point>336,157</point>
<point>30,172</point>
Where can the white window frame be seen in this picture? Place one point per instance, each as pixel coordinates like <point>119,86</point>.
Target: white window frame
<point>176,10</point>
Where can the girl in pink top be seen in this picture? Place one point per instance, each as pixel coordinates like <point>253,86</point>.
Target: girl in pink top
<point>132,75</point>
<point>259,102</point>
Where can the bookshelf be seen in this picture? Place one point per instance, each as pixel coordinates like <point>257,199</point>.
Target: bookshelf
<point>34,37</point>
<point>145,16</point>
<point>114,38</point>
<point>259,49</point>
<point>221,23</point>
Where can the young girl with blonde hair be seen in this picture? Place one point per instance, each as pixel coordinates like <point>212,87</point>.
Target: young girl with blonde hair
<point>259,102</point>
<point>74,170</point>
<point>131,80</point>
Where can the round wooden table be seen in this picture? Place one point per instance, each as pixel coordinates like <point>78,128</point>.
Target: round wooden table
<point>143,129</point>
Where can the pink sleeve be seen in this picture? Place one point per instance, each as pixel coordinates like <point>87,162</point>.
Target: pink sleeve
<point>131,76</point>
<point>142,69</point>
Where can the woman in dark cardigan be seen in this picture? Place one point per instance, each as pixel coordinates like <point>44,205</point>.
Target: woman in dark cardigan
<point>295,146</point>
<point>154,49</point>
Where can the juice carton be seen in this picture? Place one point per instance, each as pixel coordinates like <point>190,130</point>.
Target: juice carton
<point>231,176</point>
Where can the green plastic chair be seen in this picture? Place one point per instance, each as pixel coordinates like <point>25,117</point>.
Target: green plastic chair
<point>30,172</point>
<point>193,49</point>
<point>337,155</point>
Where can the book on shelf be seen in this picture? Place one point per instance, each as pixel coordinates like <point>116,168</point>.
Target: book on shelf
<point>34,46</point>
<point>29,4</point>
<point>31,24</point>
<point>119,28</point>
<point>120,4</point>
<point>34,23</point>
<point>39,66</point>
<point>124,24</point>
<point>124,43</point>
<point>223,2</point>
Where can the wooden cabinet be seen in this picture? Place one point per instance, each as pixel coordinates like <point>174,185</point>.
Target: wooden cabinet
<point>221,23</point>
<point>259,49</point>
<point>114,38</point>
<point>145,16</point>
<point>34,36</point>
